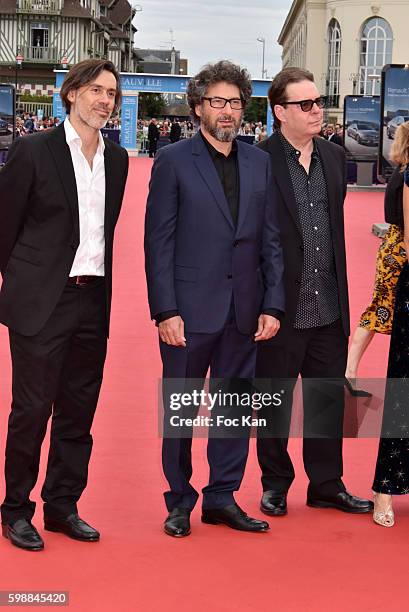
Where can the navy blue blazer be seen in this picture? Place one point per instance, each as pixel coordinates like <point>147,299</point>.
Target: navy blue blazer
<point>196,259</point>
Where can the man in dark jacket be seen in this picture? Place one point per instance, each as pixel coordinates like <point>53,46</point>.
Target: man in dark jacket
<point>56,263</point>
<point>309,176</point>
<point>153,137</point>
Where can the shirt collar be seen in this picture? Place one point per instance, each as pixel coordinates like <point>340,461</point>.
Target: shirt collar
<point>292,151</point>
<point>214,152</point>
<point>71,136</point>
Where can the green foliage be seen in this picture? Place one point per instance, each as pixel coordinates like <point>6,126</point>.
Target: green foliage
<point>30,98</point>
<point>256,110</point>
<point>151,105</point>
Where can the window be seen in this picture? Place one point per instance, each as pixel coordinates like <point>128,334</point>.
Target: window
<point>39,41</point>
<point>334,62</point>
<point>376,51</point>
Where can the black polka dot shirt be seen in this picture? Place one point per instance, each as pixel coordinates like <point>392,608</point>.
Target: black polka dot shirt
<point>318,303</point>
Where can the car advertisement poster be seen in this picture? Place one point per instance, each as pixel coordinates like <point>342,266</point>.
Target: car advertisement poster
<point>394,111</point>
<point>7,115</point>
<point>361,127</point>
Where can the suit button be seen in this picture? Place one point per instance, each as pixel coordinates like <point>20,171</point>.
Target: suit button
<point>236,243</point>
<point>230,276</point>
<point>301,247</point>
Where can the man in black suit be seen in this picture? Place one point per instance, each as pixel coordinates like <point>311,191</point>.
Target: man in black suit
<point>175,132</point>
<point>332,136</point>
<point>310,180</point>
<point>61,196</point>
<point>153,137</point>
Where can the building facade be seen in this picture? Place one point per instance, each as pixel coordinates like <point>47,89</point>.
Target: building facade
<point>38,36</point>
<point>160,61</point>
<point>345,43</point>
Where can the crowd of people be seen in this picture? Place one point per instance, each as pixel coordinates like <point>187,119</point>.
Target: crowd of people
<point>29,123</point>
<point>173,129</point>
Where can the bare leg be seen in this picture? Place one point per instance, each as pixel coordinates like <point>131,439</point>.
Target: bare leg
<point>383,511</point>
<point>360,342</point>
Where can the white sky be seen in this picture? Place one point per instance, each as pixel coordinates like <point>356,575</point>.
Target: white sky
<point>209,30</point>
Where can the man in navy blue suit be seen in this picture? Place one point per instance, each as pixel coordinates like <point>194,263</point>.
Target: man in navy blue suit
<point>214,273</point>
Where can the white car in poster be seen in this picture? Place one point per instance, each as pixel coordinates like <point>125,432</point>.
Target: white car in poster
<point>394,124</point>
<point>363,133</point>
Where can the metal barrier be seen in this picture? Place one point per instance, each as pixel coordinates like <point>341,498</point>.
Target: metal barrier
<point>33,107</point>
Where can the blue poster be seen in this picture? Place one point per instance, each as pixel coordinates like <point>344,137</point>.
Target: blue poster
<point>129,117</point>
<point>58,108</point>
<point>395,111</point>
<point>7,116</point>
<point>362,118</point>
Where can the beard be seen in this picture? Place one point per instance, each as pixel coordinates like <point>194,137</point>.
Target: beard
<point>222,134</point>
<point>93,120</point>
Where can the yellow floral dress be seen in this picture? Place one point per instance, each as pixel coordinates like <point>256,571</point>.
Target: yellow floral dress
<point>389,262</point>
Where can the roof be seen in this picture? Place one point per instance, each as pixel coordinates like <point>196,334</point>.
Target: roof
<point>121,12</point>
<point>8,6</point>
<point>72,8</point>
<point>153,58</point>
<point>296,5</point>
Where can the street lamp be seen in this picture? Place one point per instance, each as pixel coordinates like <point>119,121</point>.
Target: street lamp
<point>137,8</point>
<point>354,76</point>
<point>64,61</point>
<point>19,63</point>
<point>263,42</point>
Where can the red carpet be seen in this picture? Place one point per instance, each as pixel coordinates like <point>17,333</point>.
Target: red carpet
<point>311,560</point>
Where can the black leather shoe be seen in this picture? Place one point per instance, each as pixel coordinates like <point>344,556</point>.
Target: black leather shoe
<point>73,526</point>
<point>341,501</point>
<point>233,516</point>
<point>23,534</point>
<point>274,503</point>
<point>178,523</point>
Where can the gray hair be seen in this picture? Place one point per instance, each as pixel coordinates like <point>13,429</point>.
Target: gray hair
<point>223,71</point>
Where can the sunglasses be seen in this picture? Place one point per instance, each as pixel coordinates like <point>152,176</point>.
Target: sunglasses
<point>306,105</point>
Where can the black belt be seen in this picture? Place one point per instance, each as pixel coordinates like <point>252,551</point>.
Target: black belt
<point>82,281</point>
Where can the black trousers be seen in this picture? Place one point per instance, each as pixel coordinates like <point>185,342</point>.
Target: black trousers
<point>58,371</point>
<point>316,353</point>
<point>153,144</point>
<point>230,355</point>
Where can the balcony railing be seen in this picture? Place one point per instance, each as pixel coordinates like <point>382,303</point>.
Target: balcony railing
<point>49,7</point>
<point>46,55</point>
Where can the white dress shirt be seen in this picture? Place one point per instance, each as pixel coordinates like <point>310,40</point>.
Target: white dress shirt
<point>89,258</point>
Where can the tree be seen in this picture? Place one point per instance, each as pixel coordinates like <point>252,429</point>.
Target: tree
<point>151,105</point>
<point>256,110</point>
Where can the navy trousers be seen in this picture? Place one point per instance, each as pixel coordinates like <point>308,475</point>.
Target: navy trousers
<point>229,355</point>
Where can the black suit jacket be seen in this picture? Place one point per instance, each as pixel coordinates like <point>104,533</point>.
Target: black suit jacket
<point>336,140</point>
<point>334,165</point>
<point>39,225</point>
<point>153,132</point>
<point>175,132</point>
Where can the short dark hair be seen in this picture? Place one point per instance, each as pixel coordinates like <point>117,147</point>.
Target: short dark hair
<point>86,72</point>
<point>277,91</point>
<point>220,72</point>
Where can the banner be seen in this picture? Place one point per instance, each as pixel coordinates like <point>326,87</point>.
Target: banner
<point>7,115</point>
<point>394,111</point>
<point>361,127</point>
